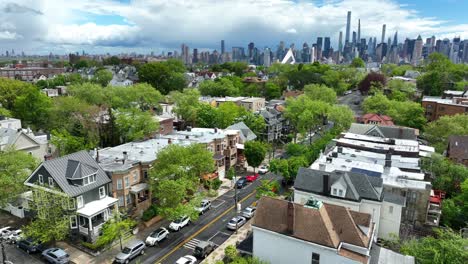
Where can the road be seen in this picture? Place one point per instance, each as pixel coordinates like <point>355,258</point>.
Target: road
<point>210,226</point>
<point>350,100</point>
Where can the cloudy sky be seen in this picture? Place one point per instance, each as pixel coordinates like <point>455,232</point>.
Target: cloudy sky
<point>61,26</point>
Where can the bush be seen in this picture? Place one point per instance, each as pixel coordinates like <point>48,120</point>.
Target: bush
<point>94,247</point>
<point>211,193</point>
<point>150,213</point>
<point>215,184</point>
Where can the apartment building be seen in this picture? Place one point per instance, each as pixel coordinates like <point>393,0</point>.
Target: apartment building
<point>451,103</point>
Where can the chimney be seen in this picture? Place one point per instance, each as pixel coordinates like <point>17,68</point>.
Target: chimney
<point>97,154</point>
<point>186,136</point>
<point>322,167</point>
<point>388,160</point>
<point>325,187</point>
<point>291,219</point>
<point>216,130</point>
<point>340,149</point>
<point>189,128</point>
<point>125,156</point>
<point>335,154</point>
<point>169,141</point>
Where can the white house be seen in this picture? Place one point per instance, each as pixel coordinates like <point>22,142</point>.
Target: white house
<point>286,232</point>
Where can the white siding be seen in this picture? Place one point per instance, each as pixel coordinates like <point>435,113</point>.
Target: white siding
<point>390,222</point>
<point>278,249</point>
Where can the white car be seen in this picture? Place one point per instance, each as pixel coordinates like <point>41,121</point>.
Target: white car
<point>178,224</point>
<point>205,205</point>
<point>263,169</point>
<point>14,236</point>
<point>249,212</point>
<point>6,231</point>
<point>236,222</point>
<point>157,236</point>
<point>187,260</point>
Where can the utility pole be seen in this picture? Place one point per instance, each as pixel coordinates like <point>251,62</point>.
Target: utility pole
<point>235,198</point>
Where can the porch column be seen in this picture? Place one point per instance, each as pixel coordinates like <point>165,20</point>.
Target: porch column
<point>136,199</point>
<point>90,228</point>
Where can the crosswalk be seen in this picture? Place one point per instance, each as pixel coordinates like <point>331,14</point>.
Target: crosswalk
<point>192,244</point>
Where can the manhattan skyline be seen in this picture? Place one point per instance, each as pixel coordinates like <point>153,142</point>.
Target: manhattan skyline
<point>40,27</point>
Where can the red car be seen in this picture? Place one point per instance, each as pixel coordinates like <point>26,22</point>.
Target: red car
<point>251,178</point>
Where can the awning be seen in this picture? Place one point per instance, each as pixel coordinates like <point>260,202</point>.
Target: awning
<point>218,157</point>
<point>239,146</point>
<point>93,208</point>
<point>139,187</point>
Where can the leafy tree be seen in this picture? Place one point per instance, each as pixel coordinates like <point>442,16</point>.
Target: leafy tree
<point>114,229</point>
<point>227,114</point>
<point>401,90</point>
<point>320,92</point>
<point>272,90</point>
<point>52,222</point>
<point>33,108</point>
<point>358,63</point>
<point>172,195</point>
<point>371,79</point>
<point>268,188</point>
<point>437,132</point>
<point>16,168</point>
<point>67,143</point>
<point>82,64</point>
<point>256,123</point>
<point>206,116</point>
<point>455,209</point>
<point>114,60</point>
<point>134,124</point>
<point>395,70</point>
<point>341,116</point>
<point>187,103</point>
<point>443,248</point>
<point>102,77</point>
<point>10,90</point>
<point>220,87</point>
<point>162,76</point>
<point>4,112</point>
<point>141,95</point>
<point>255,152</point>
<point>91,93</point>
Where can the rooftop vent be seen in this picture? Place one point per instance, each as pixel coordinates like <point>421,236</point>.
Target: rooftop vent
<point>313,203</point>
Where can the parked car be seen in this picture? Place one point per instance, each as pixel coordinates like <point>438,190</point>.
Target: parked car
<point>56,256</point>
<point>348,92</point>
<point>263,169</point>
<point>203,249</point>
<point>236,222</point>
<point>14,236</point>
<point>186,260</point>
<point>357,102</point>
<point>132,250</point>
<point>205,205</point>
<point>30,246</point>
<point>249,212</point>
<point>252,178</point>
<point>178,224</point>
<point>157,236</point>
<point>241,183</point>
<point>6,231</point>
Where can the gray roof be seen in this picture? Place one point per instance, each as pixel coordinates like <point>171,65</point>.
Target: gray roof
<point>384,131</point>
<point>359,186</point>
<point>83,164</point>
<point>246,134</point>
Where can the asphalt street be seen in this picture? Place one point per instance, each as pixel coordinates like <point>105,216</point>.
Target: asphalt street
<point>350,100</point>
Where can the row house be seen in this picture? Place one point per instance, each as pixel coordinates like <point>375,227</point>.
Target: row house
<point>28,74</point>
<point>455,102</point>
<point>78,177</point>
<point>251,104</point>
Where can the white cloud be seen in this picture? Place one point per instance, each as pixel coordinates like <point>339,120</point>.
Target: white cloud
<point>202,23</point>
<point>6,35</point>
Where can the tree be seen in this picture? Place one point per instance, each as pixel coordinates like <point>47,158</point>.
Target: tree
<point>206,116</point>
<point>102,77</point>
<point>52,222</point>
<point>220,87</point>
<point>455,209</point>
<point>358,63</point>
<point>272,90</point>
<point>114,229</point>
<point>186,104</point>
<point>371,79</point>
<point>437,132</point>
<point>341,116</point>
<point>67,143</point>
<point>401,90</point>
<point>91,93</point>
<point>255,122</point>
<point>141,95</point>
<point>320,92</point>
<point>173,196</point>
<point>114,60</point>
<point>134,124</point>
<point>16,166</point>
<point>255,152</point>
<point>33,108</point>
<point>227,114</point>
<point>443,248</point>
<point>162,76</point>
<point>268,188</point>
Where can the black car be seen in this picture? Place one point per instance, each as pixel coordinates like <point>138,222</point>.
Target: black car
<point>241,183</point>
<point>30,246</point>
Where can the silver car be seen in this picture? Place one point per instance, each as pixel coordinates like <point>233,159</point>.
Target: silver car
<point>236,222</point>
<point>131,251</point>
<point>249,212</point>
<point>157,236</point>
<point>56,256</point>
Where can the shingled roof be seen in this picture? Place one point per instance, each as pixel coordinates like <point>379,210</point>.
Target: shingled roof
<point>359,186</point>
<point>328,226</point>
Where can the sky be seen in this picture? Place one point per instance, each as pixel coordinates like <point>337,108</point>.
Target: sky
<point>142,26</point>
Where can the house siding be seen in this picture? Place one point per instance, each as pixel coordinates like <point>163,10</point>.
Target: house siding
<point>390,222</point>
<point>46,175</point>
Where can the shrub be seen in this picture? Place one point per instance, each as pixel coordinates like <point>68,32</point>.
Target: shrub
<point>150,213</point>
<point>93,247</point>
<point>215,184</point>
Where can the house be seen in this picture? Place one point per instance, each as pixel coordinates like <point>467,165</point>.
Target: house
<point>245,133</point>
<point>376,119</point>
<point>457,149</point>
<point>166,124</point>
<point>79,177</point>
<point>26,141</point>
<point>8,122</point>
<point>435,107</point>
<point>357,191</point>
<point>397,132</point>
<point>50,92</point>
<point>253,104</point>
<point>316,232</point>
<point>273,124</point>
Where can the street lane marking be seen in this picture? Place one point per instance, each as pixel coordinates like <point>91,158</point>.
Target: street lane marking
<point>202,229</point>
<point>222,202</point>
<point>192,244</point>
<point>219,232</point>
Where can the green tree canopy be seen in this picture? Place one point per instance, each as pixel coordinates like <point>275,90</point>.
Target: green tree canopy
<point>372,79</point>
<point>255,152</point>
<point>164,76</point>
<point>437,132</point>
<point>33,108</point>
<point>67,143</point>
<point>358,63</point>
<point>187,103</point>
<point>320,92</point>
<point>102,77</point>
<point>91,93</point>
<point>220,87</point>
<point>134,124</point>
<point>272,90</point>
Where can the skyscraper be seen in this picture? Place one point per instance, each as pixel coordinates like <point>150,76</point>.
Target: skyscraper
<point>348,27</point>
<point>354,38</point>
<point>383,33</point>
<point>359,30</point>
<point>395,39</point>
<point>195,56</point>
<point>417,51</point>
<point>340,42</point>
<point>326,47</point>
<point>251,50</point>
<point>266,57</point>
<point>222,47</point>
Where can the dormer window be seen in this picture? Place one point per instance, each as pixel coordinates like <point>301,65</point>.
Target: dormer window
<point>90,179</point>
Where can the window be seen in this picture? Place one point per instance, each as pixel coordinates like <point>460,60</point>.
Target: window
<point>135,176</point>
<point>90,179</point>
<point>79,201</point>
<point>390,209</point>
<point>128,199</point>
<point>334,191</point>
<point>145,174</point>
<point>41,179</point>
<point>86,181</point>
<point>73,222</point>
<point>127,182</point>
<point>340,193</point>
<point>51,182</point>
<point>102,192</point>
<point>315,258</point>
<point>119,184</point>
<point>121,201</point>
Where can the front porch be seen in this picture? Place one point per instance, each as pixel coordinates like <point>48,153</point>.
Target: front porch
<point>141,199</point>
<point>93,215</point>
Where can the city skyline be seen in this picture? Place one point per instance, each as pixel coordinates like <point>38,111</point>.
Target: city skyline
<point>114,27</point>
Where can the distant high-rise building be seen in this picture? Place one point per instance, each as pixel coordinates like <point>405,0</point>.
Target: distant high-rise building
<point>251,50</point>
<point>417,51</point>
<point>465,51</point>
<point>340,42</point>
<point>395,39</point>
<point>280,52</point>
<point>348,27</point>
<point>266,57</point>
<point>383,33</point>
<point>320,42</point>
<point>326,47</point>
<point>195,56</point>
<point>222,47</point>
<point>359,30</point>
<point>354,38</point>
